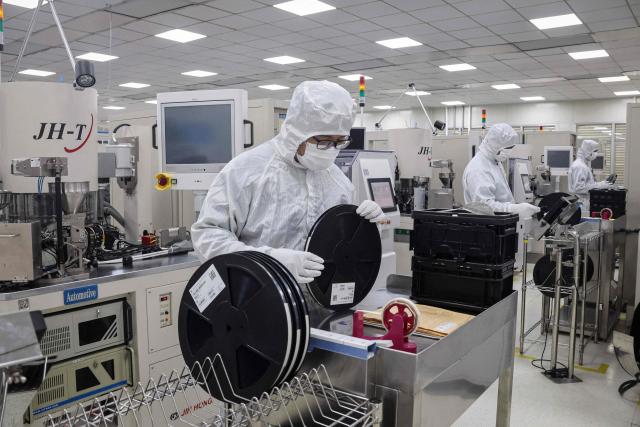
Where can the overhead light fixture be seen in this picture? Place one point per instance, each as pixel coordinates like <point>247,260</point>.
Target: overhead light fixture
<point>95,56</point>
<point>199,73</point>
<point>627,93</point>
<point>383,107</point>
<point>452,103</point>
<point>29,4</point>
<point>556,21</point>
<point>151,101</point>
<point>614,79</point>
<point>600,128</point>
<point>37,73</point>
<point>85,74</point>
<point>354,77</point>
<point>399,43</point>
<point>458,67</point>
<point>532,98</point>
<point>588,54</point>
<point>112,107</point>
<point>417,93</point>
<point>180,36</point>
<point>304,7</point>
<point>134,85</point>
<point>506,86</point>
<point>273,87</point>
<point>284,60</point>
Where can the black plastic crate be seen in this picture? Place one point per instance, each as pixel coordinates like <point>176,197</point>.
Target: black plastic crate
<point>611,198</point>
<point>464,236</point>
<point>470,287</point>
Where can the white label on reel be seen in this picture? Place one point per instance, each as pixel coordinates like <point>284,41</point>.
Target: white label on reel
<point>207,288</point>
<point>445,327</point>
<point>343,293</point>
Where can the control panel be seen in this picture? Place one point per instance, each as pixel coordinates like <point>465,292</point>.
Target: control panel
<point>165,310</point>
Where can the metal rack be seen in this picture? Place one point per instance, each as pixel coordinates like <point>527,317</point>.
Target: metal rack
<point>308,399</point>
<point>579,292</point>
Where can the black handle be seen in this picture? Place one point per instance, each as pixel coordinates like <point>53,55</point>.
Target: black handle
<point>128,321</point>
<point>120,126</point>
<point>154,143</point>
<point>250,123</point>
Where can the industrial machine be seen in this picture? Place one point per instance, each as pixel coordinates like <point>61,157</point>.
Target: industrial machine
<point>371,173</point>
<point>442,198</point>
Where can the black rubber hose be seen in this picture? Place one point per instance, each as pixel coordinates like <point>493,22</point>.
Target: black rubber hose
<point>109,210</point>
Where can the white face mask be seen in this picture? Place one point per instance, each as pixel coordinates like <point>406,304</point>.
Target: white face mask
<point>501,157</point>
<point>317,160</point>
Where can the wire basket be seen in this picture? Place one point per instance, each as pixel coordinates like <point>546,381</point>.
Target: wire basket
<point>309,399</point>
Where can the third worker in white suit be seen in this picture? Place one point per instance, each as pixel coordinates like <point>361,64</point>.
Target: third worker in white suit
<point>268,198</point>
<point>580,175</point>
<point>484,180</point>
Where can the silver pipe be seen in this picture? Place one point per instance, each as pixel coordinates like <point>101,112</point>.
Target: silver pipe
<point>378,124</point>
<point>523,293</point>
<point>556,310</point>
<point>23,48</point>
<point>424,110</point>
<point>598,302</point>
<point>583,303</point>
<point>574,302</point>
<point>54,13</point>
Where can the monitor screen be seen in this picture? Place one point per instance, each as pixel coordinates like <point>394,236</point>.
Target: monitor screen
<point>357,139</point>
<point>598,163</point>
<point>197,134</point>
<point>526,183</point>
<point>382,193</point>
<point>560,159</point>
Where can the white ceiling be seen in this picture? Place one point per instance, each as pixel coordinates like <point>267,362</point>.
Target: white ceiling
<point>493,35</point>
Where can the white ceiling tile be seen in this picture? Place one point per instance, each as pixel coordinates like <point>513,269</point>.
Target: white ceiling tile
<point>410,5</point>
<point>380,35</point>
<point>567,31</point>
<point>266,31</point>
<point>500,17</point>
<point>513,27</point>
<point>437,14</point>
<point>486,41</point>
<point>477,7</point>
<point>522,37</point>
<point>333,17</point>
<point>473,33</point>
<point>397,20</point>
<point>146,27</point>
<point>236,22</point>
<point>457,44</point>
<point>361,26</point>
<point>544,10</point>
<point>208,29</point>
<point>455,24</point>
<point>172,20</point>
<point>201,12</point>
<point>239,36</point>
<point>372,10</point>
<point>267,14</point>
<point>589,5</point>
<point>298,24</point>
<point>235,6</point>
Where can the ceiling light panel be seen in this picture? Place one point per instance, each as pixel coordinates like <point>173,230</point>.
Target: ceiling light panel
<point>418,93</point>
<point>37,73</point>
<point>284,60</point>
<point>151,101</point>
<point>134,85</point>
<point>458,67</point>
<point>556,21</point>
<point>304,7</point>
<point>97,57</point>
<point>180,36</point>
<point>532,98</point>
<point>273,87</point>
<point>399,43</point>
<point>614,79</point>
<point>354,77</point>
<point>199,73</point>
<point>383,107</point>
<point>452,103</point>
<point>506,86</point>
<point>29,4</point>
<point>627,93</point>
<point>112,107</point>
<point>589,54</point>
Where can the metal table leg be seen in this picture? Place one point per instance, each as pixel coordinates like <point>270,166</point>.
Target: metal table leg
<point>505,389</point>
<point>556,310</point>
<point>523,295</point>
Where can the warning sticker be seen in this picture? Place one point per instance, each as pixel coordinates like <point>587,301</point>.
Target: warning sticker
<point>342,293</point>
<point>445,327</point>
<point>207,288</point>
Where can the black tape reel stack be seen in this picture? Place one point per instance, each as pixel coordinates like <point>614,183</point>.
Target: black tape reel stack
<point>245,313</point>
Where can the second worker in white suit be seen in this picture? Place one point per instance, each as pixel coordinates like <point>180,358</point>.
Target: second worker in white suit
<point>580,175</point>
<point>267,199</point>
<point>484,179</point>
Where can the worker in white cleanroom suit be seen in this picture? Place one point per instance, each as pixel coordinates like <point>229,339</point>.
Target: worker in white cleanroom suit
<point>580,175</point>
<point>268,198</point>
<point>484,180</point>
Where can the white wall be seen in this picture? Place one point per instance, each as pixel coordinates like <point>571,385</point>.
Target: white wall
<point>564,115</point>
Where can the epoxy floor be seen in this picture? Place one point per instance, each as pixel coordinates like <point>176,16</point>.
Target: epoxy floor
<point>539,402</point>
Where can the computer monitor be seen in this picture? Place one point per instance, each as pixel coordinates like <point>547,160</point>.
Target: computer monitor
<point>381,191</point>
<point>597,164</point>
<point>199,133</point>
<point>357,139</point>
<point>558,159</point>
